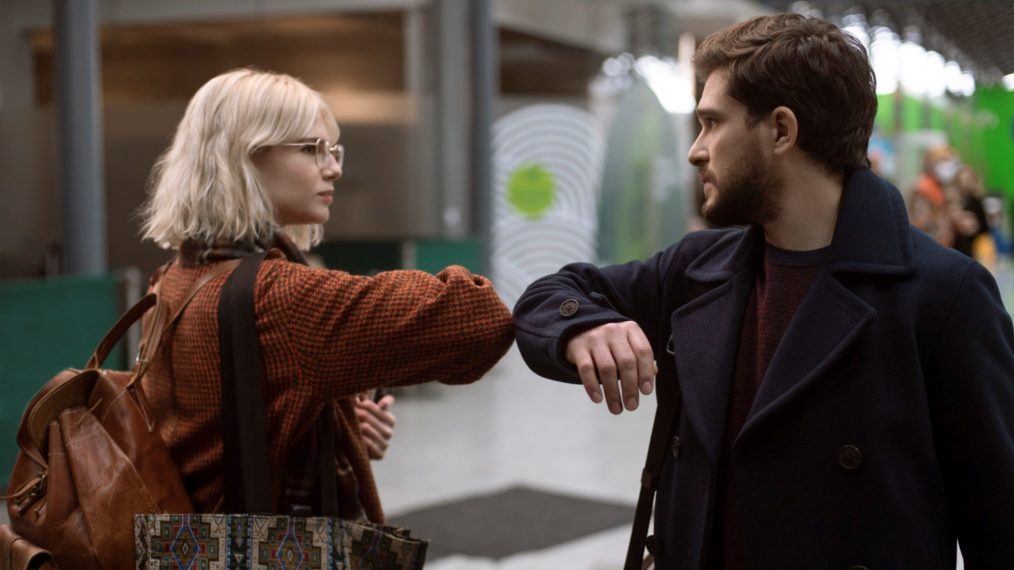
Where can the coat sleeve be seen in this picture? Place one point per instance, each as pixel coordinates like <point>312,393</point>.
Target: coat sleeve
<point>971,391</point>
<point>581,296</point>
<point>353,333</point>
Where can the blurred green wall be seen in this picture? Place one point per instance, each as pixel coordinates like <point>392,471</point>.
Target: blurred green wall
<point>998,138</point>
<point>47,325</point>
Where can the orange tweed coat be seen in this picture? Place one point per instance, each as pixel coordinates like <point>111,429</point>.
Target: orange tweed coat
<point>324,336</point>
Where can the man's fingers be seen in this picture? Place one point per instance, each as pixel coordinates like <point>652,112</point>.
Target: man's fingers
<point>615,363</point>
<point>646,367</point>
<point>626,364</point>
<point>607,376</point>
<point>589,377</point>
<point>649,386</point>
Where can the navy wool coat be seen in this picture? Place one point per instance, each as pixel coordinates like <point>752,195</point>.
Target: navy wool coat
<point>883,431</point>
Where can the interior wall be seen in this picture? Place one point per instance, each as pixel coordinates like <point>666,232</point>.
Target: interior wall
<point>153,62</point>
<point>30,214</point>
<point>358,61</point>
<point>149,73</point>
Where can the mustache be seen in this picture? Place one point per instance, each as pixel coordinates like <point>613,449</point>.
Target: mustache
<point>706,175</point>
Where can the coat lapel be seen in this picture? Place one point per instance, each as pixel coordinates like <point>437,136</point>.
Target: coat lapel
<point>827,322</point>
<point>871,237</point>
<point>705,333</point>
<point>705,339</point>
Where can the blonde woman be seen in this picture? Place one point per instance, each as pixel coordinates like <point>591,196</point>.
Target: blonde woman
<point>252,167</point>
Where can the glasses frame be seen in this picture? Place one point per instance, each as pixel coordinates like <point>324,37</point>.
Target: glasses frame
<point>323,148</point>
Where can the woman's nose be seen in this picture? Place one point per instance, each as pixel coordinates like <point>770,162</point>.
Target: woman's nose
<point>332,171</point>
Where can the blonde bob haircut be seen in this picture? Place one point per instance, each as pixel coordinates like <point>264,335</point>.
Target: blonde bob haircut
<point>205,186</point>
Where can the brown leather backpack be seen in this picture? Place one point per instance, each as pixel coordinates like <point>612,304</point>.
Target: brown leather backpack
<point>91,456</point>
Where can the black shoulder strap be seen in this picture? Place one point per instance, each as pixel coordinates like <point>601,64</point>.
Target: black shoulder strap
<point>665,421</point>
<point>247,477</point>
<point>328,463</point>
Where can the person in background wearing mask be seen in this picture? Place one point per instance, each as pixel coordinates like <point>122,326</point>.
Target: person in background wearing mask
<point>930,207</point>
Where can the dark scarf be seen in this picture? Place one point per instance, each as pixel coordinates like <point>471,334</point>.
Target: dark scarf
<point>193,252</point>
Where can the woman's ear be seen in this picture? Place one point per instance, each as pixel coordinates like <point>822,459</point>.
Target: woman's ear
<point>786,129</point>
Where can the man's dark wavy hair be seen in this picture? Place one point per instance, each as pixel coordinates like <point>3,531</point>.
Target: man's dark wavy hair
<point>808,65</point>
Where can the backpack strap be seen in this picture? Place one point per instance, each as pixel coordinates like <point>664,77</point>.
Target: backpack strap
<point>246,475</point>
<point>666,414</point>
<point>159,325</point>
<point>119,328</point>
<point>162,322</point>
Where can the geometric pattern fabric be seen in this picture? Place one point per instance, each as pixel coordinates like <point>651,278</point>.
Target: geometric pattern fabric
<point>225,542</point>
<point>267,542</point>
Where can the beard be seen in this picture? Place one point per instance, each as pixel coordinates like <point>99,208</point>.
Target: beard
<point>745,194</point>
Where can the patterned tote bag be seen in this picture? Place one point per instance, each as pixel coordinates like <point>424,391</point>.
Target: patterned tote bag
<point>271,542</point>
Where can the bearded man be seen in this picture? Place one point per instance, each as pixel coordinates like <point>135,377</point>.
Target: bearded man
<point>842,386</point>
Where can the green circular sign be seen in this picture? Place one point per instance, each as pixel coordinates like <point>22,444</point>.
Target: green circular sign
<point>531,190</point>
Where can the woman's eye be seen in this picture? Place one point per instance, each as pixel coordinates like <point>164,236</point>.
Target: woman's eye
<point>308,149</point>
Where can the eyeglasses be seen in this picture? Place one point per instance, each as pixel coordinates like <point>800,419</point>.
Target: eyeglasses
<point>320,149</point>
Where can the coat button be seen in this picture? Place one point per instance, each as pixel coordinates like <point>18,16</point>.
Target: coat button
<point>568,308</point>
<point>677,446</point>
<point>849,457</point>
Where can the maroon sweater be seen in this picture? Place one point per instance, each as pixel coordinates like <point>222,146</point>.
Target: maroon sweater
<point>780,286</point>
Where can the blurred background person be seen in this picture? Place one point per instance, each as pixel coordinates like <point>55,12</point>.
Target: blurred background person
<point>971,223</point>
<point>929,206</point>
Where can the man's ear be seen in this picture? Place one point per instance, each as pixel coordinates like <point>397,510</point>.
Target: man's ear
<point>786,129</point>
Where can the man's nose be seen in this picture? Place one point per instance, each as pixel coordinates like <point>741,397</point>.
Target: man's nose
<point>697,155</point>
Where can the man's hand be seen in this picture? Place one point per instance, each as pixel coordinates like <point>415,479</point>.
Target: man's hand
<point>611,354</point>
<point>376,423</point>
